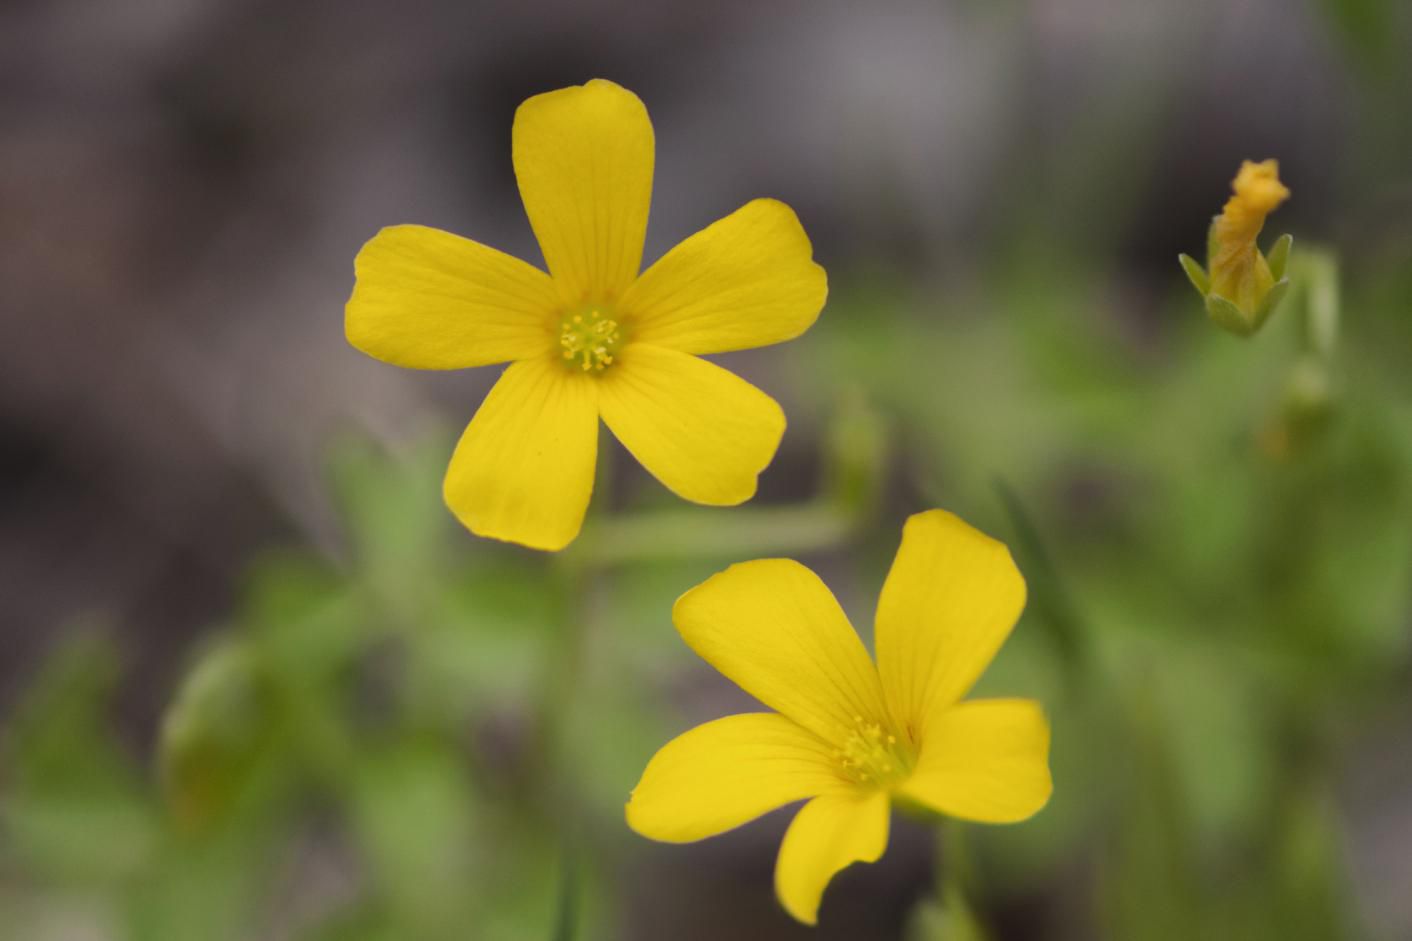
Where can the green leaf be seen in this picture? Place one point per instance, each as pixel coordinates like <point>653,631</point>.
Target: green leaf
<point>208,887</point>
<point>74,807</point>
<point>411,813</point>
<point>1050,597</point>
<point>216,735</point>
<point>307,621</point>
<point>396,520</point>
<point>485,639</point>
<point>1149,877</point>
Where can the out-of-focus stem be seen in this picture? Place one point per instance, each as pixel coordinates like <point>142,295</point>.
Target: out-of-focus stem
<point>953,867</point>
<point>703,533</point>
<point>854,457</point>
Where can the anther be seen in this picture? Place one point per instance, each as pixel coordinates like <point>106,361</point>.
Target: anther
<point>590,339</point>
<point>870,754</point>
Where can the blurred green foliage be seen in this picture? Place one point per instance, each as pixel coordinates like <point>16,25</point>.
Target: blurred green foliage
<point>389,745</point>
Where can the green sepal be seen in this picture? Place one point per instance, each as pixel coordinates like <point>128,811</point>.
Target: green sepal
<point>1228,316</point>
<point>1278,258</point>
<point>1196,274</point>
<point>1272,300</point>
<point>1213,244</point>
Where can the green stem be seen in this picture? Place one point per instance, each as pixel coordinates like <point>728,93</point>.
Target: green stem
<point>566,657</point>
<point>1050,597</point>
<point>705,533</point>
<point>854,457</point>
<point>955,884</point>
<point>953,869</point>
<point>561,685</point>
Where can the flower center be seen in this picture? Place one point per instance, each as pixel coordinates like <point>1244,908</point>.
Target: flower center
<point>873,755</point>
<point>589,338</point>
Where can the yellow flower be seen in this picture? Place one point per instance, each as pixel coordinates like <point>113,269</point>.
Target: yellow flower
<point>848,736</point>
<point>593,336</point>
<point>1243,287</point>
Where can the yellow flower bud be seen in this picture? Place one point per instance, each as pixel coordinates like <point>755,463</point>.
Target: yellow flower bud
<point>1243,286</point>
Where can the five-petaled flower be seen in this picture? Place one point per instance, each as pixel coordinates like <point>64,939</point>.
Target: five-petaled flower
<point>849,736</point>
<point>593,337</point>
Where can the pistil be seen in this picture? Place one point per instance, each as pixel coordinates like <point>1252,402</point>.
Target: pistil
<point>590,339</point>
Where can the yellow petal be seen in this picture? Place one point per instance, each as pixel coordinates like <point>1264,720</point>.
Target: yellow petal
<point>747,280</point>
<point>428,299</point>
<point>949,602</point>
<point>773,628</point>
<point>828,834</point>
<point>726,773</point>
<point>583,158</point>
<point>702,431</point>
<point>523,471</point>
<point>985,760</point>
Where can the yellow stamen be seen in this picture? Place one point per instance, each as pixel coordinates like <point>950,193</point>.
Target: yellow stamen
<point>590,340</point>
<point>870,755</point>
